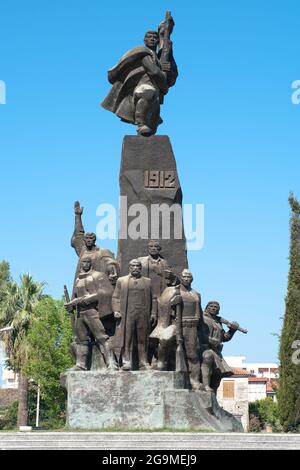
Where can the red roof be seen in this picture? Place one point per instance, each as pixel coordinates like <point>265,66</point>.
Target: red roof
<point>238,371</point>
<point>258,379</point>
<point>270,389</point>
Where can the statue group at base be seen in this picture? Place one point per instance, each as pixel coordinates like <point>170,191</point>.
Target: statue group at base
<point>147,320</point>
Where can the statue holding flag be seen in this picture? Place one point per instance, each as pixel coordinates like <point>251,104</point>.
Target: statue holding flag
<point>142,78</point>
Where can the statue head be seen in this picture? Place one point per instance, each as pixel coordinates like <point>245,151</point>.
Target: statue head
<point>154,248</point>
<point>90,240</point>
<point>135,268</point>
<point>112,272</point>
<point>151,39</point>
<point>186,278</point>
<point>213,307</point>
<point>86,263</point>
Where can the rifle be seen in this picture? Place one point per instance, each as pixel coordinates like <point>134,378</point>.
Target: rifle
<point>229,324</point>
<point>72,316</point>
<point>165,47</point>
<point>180,356</point>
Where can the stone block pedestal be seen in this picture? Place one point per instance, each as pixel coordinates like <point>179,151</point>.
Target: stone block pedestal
<point>141,400</point>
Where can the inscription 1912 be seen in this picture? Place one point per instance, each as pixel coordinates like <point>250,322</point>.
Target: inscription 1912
<point>159,179</point>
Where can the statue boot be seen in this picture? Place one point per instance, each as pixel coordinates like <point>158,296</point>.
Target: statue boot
<point>142,111</point>
<point>194,374</point>
<point>82,353</point>
<point>126,366</point>
<point>206,377</point>
<point>162,363</point>
<point>145,366</point>
<point>112,363</point>
<point>105,351</point>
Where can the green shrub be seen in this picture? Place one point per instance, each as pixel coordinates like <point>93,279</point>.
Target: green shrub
<point>8,417</point>
<point>267,413</point>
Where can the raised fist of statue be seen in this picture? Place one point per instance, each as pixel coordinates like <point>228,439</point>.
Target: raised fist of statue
<point>77,209</point>
<point>117,315</point>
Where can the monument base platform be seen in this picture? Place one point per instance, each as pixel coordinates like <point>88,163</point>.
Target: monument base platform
<point>149,400</point>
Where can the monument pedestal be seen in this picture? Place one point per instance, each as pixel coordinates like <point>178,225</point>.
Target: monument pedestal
<point>141,400</point>
<point>149,180</point>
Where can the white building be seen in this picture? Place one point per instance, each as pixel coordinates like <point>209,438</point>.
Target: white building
<point>233,395</point>
<point>2,359</point>
<point>268,370</point>
<point>257,388</point>
<point>8,379</point>
<point>249,382</point>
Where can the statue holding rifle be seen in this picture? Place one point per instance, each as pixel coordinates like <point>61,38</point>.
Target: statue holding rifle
<point>142,78</point>
<point>214,367</point>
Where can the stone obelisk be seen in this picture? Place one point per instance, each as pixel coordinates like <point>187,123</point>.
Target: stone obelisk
<point>151,202</point>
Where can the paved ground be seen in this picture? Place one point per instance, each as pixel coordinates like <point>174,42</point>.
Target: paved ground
<point>145,441</point>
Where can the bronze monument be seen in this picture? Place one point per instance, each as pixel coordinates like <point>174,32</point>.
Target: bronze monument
<point>160,357</point>
<point>142,78</point>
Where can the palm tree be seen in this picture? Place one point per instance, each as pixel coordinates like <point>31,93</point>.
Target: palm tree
<point>16,306</point>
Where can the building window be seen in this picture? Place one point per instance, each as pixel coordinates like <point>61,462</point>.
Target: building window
<point>228,389</point>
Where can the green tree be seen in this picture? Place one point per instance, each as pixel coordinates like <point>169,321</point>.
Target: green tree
<point>266,411</point>
<point>4,276</point>
<point>289,371</point>
<point>16,306</point>
<point>49,355</point>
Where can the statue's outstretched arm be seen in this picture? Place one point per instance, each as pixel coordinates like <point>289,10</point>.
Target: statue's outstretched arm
<point>77,240</point>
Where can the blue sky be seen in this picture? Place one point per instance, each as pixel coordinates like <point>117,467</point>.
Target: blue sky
<point>230,118</point>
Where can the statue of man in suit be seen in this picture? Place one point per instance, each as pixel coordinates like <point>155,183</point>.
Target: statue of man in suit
<point>135,309</point>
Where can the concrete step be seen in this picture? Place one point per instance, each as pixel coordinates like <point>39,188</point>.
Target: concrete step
<point>145,441</point>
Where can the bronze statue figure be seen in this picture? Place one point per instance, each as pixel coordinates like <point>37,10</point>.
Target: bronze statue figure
<point>166,331</point>
<point>142,78</point>
<point>135,309</point>
<point>84,243</point>
<point>88,326</point>
<point>156,268</point>
<point>214,367</point>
